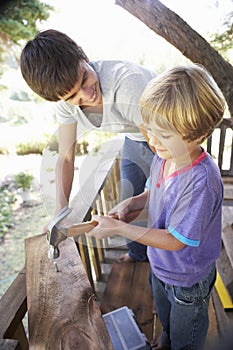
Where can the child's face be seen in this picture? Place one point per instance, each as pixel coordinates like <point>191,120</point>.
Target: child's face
<point>86,92</point>
<point>168,143</point>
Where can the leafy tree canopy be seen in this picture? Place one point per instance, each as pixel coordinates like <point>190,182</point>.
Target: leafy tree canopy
<point>18,20</point>
<point>224,41</point>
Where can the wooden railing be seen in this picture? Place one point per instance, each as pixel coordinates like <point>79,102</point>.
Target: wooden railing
<point>222,138</point>
<point>220,146</point>
<point>13,308</point>
<point>96,195</point>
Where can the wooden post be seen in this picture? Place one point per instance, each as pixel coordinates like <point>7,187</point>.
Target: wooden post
<point>62,310</point>
<point>9,344</point>
<point>13,307</point>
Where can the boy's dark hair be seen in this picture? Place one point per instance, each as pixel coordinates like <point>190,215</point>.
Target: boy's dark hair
<point>49,64</point>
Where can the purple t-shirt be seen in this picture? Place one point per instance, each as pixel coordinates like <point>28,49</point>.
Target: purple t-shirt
<point>188,203</point>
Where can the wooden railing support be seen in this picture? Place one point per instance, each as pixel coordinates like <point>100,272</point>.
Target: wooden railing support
<point>9,344</point>
<point>13,307</point>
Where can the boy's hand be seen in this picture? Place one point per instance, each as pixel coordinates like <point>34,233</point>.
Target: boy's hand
<point>107,227</point>
<point>121,210</point>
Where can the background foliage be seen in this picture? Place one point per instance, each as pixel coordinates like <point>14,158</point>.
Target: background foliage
<point>223,42</point>
<point>18,21</point>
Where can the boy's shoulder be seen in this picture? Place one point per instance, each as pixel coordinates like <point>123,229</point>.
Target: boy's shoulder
<point>124,81</point>
<point>209,165</point>
<point>207,172</point>
<point>121,68</point>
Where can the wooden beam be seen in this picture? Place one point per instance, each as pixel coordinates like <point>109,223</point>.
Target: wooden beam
<point>227,237</point>
<point>62,310</point>
<point>9,344</point>
<point>13,307</point>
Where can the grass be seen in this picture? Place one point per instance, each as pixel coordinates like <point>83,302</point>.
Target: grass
<point>7,198</point>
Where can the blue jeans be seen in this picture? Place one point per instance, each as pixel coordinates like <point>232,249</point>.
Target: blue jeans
<point>183,312</point>
<point>136,159</point>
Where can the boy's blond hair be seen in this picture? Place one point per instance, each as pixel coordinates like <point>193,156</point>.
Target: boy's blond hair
<point>185,99</point>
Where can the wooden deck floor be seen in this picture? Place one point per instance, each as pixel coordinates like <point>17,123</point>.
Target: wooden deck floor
<point>111,256</point>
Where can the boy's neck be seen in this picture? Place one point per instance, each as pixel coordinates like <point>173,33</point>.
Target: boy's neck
<point>182,161</point>
<point>189,157</point>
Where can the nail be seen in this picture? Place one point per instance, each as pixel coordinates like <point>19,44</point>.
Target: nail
<point>56,267</point>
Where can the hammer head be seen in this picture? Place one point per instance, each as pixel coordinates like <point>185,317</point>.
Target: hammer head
<point>56,234</point>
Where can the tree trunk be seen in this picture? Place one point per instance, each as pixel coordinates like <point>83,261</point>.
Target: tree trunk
<point>177,32</point>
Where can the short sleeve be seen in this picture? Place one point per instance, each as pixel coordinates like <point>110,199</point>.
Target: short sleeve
<point>192,213</point>
<point>65,113</point>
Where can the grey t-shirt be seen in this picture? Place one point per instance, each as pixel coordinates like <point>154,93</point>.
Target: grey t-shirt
<point>121,83</point>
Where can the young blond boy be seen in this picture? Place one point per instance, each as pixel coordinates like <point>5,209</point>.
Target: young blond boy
<point>180,109</point>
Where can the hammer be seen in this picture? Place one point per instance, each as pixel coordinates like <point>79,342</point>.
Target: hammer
<point>56,234</point>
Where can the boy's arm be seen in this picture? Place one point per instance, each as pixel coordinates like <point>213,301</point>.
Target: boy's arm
<point>65,164</point>
<point>157,238</point>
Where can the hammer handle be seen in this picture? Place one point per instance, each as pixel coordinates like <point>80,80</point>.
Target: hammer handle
<point>84,227</point>
<point>87,226</point>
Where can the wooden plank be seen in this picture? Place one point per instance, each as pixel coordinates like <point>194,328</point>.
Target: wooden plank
<point>224,319</point>
<point>117,291</point>
<point>227,180</point>
<point>228,192</point>
<point>93,251</point>
<point>13,307</point>
<point>213,326</point>
<point>9,344</point>
<point>227,216</point>
<point>81,242</point>
<point>128,285</point>
<point>227,237</point>
<point>141,298</point>
<point>225,270</point>
<point>20,335</point>
<point>62,310</point>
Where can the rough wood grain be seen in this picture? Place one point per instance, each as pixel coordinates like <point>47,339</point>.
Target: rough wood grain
<point>62,310</point>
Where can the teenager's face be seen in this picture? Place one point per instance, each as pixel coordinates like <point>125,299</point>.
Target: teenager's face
<point>168,143</point>
<point>86,92</point>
